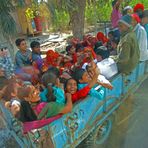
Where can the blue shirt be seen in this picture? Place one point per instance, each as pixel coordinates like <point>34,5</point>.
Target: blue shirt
<point>6,64</point>
<point>58,93</point>
<point>36,56</point>
<point>23,59</point>
<point>38,59</point>
<point>97,94</point>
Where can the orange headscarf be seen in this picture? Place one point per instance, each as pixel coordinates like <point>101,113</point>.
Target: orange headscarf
<point>88,48</point>
<point>51,57</point>
<point>101,37</point>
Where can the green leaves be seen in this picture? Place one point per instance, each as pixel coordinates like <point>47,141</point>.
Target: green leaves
<point>7,23</point>
<point>7,5</point>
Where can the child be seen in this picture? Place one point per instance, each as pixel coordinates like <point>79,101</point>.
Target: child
<point>36,54</point>
<point>114,44</point>
<point>71,87</point>
<point>79,47</point>
<point>26,94</point>
<point>83,78</point>
<point>53,108</point>
<point>11,89</point>
<point>101,79</point>
<point>52,91</point>
<point>89,55</point>
<point>10,98</point>
<point>23,55</point>
<point>71,52</point>
<point>102,53</point>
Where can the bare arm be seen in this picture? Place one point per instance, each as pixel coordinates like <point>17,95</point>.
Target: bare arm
<point>118,3</point>
<point>94,78</point>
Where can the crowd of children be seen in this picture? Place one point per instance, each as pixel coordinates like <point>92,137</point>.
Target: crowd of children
<point>38,88</point>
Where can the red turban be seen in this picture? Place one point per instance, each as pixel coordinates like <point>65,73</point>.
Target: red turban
<point>138,6</point>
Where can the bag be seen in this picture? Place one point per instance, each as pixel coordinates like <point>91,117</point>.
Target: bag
<point>108,67</point>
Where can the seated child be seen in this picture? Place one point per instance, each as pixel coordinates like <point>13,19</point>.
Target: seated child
<point>53,108</point>
<point>98,44</point>
<point>101,37</point>
<point>101,79</point>
<point>36,54</point>
<point>26,94</point>
<point>36,109</point>
<point>114,44</point>
<point>23,55</point>
<point>71,87</point>
<point>52,90</point>
<point>10,98</point>
<point>52,58</point>
<point>79,47</point>
<point>31,108</point>
<point>89,55</point>
<point>83,78</point>
<point>10,91</point>
<point>102,53</point>
<point>71,52</point>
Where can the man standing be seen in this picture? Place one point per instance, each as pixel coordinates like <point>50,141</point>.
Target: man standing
<point>128,49</point>
<point>141,37</point>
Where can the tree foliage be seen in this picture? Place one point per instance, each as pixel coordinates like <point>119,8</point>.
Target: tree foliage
<point>7,23</point>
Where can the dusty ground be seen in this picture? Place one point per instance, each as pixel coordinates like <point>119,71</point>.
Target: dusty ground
<point>130,125</point>
<point>130,129</point>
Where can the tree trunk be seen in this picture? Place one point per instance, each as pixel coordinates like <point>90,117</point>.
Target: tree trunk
<point>77,18</point>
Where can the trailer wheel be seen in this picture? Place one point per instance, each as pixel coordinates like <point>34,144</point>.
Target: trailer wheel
<point>101,134</point>
<point>98,137</point>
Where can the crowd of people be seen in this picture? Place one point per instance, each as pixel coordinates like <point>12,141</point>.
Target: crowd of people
<point>36,88</point>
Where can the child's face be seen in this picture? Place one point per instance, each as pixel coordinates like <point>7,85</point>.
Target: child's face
<point>110,36</point>
<point>88,54</point>
<point>85,78</point>
<point>37,50</point>
<point>34,94</point>
<point>23,46</point>
<point>99,58</point>
<point>71,86</point>
<point>114,45</point>
<point>72,50</point>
